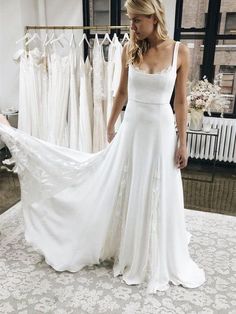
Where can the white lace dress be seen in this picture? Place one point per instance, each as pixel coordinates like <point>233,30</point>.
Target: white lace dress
<point>113,76</point>
<point>86,107</point>
<point>58,95</point>
<point>31,91</point>
<point>73,104</point>
<point>99,97</point>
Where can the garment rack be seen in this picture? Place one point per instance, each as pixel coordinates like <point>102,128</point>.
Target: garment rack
<point>94,27</point>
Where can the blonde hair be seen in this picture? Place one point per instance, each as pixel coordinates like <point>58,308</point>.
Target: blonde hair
<point>137,48</point>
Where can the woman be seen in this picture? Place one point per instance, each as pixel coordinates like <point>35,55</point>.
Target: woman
<point>125,202</point>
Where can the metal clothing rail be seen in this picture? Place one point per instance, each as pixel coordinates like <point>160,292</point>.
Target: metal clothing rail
<point>95,27</point>
<point>77,27</point>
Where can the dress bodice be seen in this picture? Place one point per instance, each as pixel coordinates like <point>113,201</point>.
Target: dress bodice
<point>153,88</point>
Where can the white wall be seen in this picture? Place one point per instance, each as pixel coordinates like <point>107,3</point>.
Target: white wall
<point>14,15</point>
<point>10,30</point>
<point>170,15</point>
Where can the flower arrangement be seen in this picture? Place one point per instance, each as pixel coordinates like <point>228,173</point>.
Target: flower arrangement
<point>205,96</point>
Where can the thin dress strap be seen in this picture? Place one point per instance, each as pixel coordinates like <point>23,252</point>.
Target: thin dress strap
<point>174,63</point>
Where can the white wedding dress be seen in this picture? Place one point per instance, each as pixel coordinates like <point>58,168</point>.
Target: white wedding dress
<point>31,91</point>
<point>124,202</point>
<point>99,97</point>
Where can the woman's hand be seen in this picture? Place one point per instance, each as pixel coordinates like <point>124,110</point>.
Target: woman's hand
<point>181,157</point>
<point>110,134</point>
<point>3,120</point>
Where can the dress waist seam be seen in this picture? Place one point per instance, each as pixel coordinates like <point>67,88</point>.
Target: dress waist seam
<point>148,102</point>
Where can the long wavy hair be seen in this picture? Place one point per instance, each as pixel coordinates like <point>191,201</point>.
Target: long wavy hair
<point>137,48</point>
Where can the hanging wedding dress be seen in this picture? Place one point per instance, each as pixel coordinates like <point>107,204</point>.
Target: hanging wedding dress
<point>73,103</point>
<point>113,76</point>
<point>59,68</point>
<point>124,202</point>
<point>86,107</point>
<point>44,121</point>
<point>30,90</point>
<point>24,108</point>
<point>99,97</point>
<point>116,75</point>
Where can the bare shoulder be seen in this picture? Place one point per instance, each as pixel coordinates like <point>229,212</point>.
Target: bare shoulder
<point>125,54</point>
<point>3,120</point>
<point>183,49</point>
<point>124,72</point>
<point>183,55</point>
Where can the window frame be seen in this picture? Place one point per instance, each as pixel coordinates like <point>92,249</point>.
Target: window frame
<point>210,37</point>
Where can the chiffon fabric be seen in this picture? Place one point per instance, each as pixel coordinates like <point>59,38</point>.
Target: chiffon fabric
<point>123,203</point>
<point>30,91</point>
<point>99,97</point>
<point>54,88</point>
<point>73,107</point>
<point>113,76</point>
<point>64,99</point>
<point>86,107</point>
<point>59,96</point>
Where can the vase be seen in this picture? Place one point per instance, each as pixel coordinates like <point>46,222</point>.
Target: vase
<point>196,119</point>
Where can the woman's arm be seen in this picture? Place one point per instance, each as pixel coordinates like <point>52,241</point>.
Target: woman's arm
<point>120,97</point>
<point>181,105</point>
<point>180,101</point>
<point>3,120</point>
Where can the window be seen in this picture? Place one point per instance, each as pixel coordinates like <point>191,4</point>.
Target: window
<point>229,73</point>
<point>228,85</point>
<point>124,18</point>
<point>209,29</point>
<point>230,27</point>
<point>99,12</point>
<point>218,25</point>
<point>193,13</point>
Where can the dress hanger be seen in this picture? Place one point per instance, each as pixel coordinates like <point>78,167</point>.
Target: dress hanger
<point>96,38</point>
<point>125,37</point>
<point>35,36</point>
<point>106,37</point>
<point>27,36</point>
<point>44,45</point>
<point>58,39</point>
<point>45,39</point>
<point>86,39</point>
<point>53,37</point>
<point>115,38</point>
<point>49,40</point>
<point>72,39</point>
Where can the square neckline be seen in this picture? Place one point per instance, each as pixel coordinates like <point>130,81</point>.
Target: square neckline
<point>165,70</point>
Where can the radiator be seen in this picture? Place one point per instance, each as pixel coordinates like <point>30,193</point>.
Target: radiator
<point>202,146</point>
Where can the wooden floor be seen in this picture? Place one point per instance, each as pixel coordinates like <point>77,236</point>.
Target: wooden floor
<point>218,196</point>
<point>9,190</point>
<point>201,194</point>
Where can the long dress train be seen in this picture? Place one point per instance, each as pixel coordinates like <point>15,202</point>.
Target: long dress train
<point>124,202</point>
